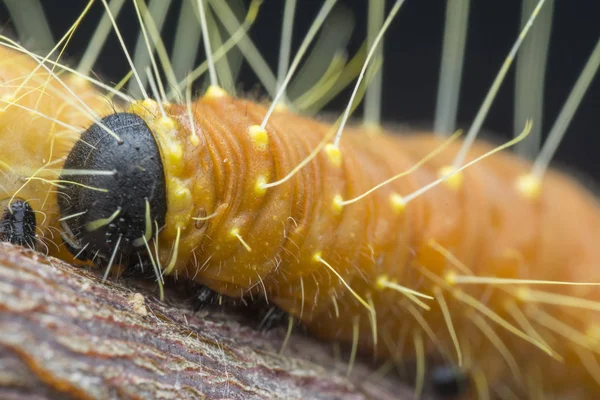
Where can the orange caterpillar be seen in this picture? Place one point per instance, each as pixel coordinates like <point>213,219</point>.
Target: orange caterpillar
<point>203,191</point>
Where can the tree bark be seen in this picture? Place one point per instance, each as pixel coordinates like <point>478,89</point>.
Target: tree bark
<point>65,334</point>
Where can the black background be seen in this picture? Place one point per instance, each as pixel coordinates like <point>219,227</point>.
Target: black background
<point>413,52</point>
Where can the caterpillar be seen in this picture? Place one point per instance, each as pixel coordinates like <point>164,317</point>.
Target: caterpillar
<point>207,190</point>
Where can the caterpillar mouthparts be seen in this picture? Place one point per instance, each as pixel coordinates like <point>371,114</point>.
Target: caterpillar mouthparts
<point>119,211</point>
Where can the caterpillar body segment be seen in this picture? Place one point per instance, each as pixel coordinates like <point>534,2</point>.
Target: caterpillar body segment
<point>41,118</point>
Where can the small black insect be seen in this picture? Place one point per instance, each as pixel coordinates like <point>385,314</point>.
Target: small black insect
<point>17,224</point>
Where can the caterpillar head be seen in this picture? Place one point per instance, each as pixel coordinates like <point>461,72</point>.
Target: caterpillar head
<point>113,195</point>
<point>17,224</point>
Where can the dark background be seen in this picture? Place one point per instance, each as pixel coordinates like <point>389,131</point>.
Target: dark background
<point>413,52</point>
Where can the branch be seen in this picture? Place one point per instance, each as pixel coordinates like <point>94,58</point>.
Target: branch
<point>63,333</point>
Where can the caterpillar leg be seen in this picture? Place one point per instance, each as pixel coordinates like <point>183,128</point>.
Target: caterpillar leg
<point>142,269</point>
<point>274,317</point>
<point>269,315</point>
<point>205,297</point>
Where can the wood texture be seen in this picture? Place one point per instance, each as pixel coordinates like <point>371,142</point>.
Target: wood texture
<point>65,334</point>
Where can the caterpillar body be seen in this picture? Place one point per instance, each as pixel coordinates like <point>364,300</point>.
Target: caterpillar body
<point>39,126</point>
<point>202,191</point>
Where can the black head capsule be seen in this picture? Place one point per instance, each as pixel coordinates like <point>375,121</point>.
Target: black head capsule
<point>17,225</point>
<point>118,197</point>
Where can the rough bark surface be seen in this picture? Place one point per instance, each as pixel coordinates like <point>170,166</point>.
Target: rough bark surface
<point>65,334</point>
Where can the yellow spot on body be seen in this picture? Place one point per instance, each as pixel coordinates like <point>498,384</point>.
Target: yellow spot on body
<point>214,92</point>
<point>398,203</point>
<point>174,157</point>
<point>529,186</point>
<point>260,186</point>
<point>338,203</point>
<point>195,140</point>
<point>381,281</point>
<point>148,103</point>
<point>334,154</point>
<point>183,195</point>
<point>317,257</point>
<point>235,232</point>
<point>148,107</point>
<point>523,294</point>
<point>259,137</point>
<point>180,199</point>
<point>450,278</point>
<point>454,181</point>
<point>166,124</point>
